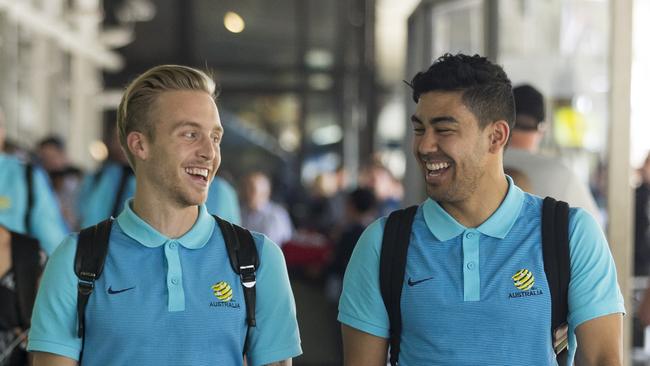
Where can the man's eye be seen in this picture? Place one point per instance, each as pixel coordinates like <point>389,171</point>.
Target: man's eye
<point>190,135</point>
<point>418,131</point>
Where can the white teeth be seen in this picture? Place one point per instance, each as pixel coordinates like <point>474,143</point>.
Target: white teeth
<point>197,171</point>
<point>436,166</point>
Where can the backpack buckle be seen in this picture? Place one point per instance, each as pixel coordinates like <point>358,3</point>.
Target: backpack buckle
<point>86,283</point>
<point>247,276</point>
<point>85,287</point>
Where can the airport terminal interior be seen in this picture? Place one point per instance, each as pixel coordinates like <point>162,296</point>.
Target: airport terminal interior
<point>314,96</point>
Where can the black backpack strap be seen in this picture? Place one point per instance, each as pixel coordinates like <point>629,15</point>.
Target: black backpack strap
<point>244,260</point>
<point>92,247</point>
<point>392,266</point>
<point>127,172</point>
<point>26,261</point>
<point>555,247</point>
<point>29,180</point>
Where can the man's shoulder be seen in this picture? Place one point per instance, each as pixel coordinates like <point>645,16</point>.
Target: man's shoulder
<point>62,259</point>
<point>11,164</point>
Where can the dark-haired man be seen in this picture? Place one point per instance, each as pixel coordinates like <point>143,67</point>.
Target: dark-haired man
<point>473,234</point>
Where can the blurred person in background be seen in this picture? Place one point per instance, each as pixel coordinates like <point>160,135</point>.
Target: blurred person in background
<point>387,188</point>
<point>26,208</point>
<point>339,197</point>
<point>642,249</point>
<point>103,193</point>
<point>65,178</point>
<point>642,221</point>
<point>261,214</point>
<point>223,201</point>
<point>360,211</point>
<point>322,215</point>
<point>21,263</point>
<point>548,176</point>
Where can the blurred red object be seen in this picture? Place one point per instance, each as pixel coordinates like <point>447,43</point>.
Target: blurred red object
<point>307,250</point>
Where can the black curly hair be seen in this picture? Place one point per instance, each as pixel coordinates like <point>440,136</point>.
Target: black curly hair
<point>486,89</point>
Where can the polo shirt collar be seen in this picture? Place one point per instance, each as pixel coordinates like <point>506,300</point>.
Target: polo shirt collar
<point>140,231</point>
<point>444,227</point>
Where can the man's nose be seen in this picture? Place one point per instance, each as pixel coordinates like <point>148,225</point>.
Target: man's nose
<point>428,143</point>
<point>208,149</point>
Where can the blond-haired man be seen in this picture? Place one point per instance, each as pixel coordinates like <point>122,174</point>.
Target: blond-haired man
<point>154,303</point>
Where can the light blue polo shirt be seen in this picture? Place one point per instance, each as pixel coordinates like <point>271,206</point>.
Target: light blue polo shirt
<point>222,201</point>
<point>163,301</point>
<point>46,222</point>
<point>479,296</point>
<point>97,194</point>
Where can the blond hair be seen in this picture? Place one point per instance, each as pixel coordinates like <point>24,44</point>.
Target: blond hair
<point>133,113</point>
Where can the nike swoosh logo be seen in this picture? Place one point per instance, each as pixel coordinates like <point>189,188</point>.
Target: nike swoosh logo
<point>113,292</point>
<point>413,283</point>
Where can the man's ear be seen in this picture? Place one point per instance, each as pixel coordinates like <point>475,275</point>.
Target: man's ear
<point>138,145</point>
<point>500,131</point>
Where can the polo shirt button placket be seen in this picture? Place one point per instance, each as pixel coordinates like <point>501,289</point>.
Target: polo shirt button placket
<point>471,269</point>
<point>174,281</point>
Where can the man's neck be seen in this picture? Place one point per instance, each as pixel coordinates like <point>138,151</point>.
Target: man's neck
<point>167,218</point>
<point>481,204</point>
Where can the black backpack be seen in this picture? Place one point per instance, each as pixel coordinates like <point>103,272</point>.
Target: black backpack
<point>29,178</point>
<point>555,248</point>
<point>92,247</point>
<point>27,266</point>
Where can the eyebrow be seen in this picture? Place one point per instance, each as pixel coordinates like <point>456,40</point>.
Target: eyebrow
<point>182,124</point>
<point>434,120</point>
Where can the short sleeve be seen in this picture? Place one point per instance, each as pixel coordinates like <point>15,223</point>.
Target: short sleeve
<point>361,306</point>
<point>54,319</point>
<point>275,336</point>
<point>593,289</point>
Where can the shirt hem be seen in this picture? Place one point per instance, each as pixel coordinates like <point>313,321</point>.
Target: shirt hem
<point>275,356</point>
<point>363,325</point>
<point>592,312</point>
<point>35,345</point>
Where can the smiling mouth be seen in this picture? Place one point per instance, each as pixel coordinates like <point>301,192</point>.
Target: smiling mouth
<point>436,169</point>
<point>198,173</point>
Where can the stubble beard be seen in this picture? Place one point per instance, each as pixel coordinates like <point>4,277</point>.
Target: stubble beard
<point>460,187</point>
<point>170,184</point>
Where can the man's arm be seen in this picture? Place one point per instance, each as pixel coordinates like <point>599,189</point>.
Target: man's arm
<point>50,359</point>
<point>363,349</point>
<point>600,341</point>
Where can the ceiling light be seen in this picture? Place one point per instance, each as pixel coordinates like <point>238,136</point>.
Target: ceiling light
<point>327,135</point>
<point>233,22</point>
<point>98,150</point>
<point>319,58</point>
